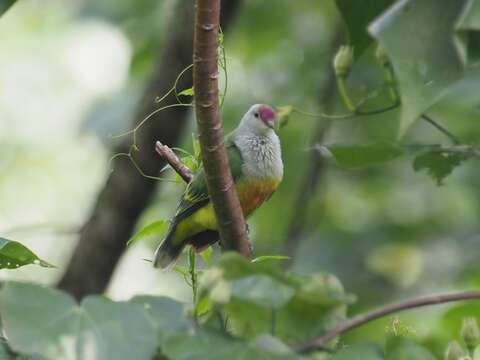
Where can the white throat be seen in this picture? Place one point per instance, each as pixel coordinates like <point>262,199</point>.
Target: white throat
<point>261,153</point>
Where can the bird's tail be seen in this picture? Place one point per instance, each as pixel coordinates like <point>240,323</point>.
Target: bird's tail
<point>168,252</point>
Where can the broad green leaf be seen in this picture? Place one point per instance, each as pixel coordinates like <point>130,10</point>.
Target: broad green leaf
<point>13,255</point>
<point>453,318</point>
<point>5,353</point>
<point>359,352</point>
<point>262,290</point>
<point>106,325</point>
<point>167,315</point>
<point>357,15</point>
<point>257,295</point>
<point>272,345</point>
<point>208,345</point>
<point>426,64</point>
<point>357,156</point>
<point>269,258</point>
<point>49,322</point>
<point>157,228</point>
<point>321,289</point>
<point>438,164</point>
<point>401,348</point>
<point>5,5</point>
<point>468,32</point>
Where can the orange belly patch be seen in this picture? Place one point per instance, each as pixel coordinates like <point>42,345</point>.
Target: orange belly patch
<point>253,193</point>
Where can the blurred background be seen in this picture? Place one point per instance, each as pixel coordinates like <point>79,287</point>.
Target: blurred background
<point>75,73</point>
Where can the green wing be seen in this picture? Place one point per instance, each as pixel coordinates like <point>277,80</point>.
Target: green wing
<point>196,193</point>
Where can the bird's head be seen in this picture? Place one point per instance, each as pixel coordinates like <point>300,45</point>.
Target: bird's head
<point>260,118</point>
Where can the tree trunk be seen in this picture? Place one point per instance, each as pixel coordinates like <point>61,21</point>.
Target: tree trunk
<point>231,223</point>
<point>126,193</point>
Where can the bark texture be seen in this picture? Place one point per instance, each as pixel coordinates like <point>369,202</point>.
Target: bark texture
<point>231,223</point>
<point>174,161</point>
<point>126,193</point>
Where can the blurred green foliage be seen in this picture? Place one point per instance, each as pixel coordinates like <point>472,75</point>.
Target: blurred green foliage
<point>385,230</point>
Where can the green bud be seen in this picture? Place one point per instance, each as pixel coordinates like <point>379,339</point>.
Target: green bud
<point>343,60</point>
<point>470,332</point>
<point>454,351</point>
<point>283,115</point>
<point>382,56</point>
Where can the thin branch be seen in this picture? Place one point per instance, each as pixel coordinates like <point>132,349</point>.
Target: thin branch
<point>174,161</point>
<point>231,223</point>
<point>321,341</point>
<point>439,127</point>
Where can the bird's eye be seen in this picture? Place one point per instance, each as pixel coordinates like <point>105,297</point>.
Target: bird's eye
<point>256,114</point>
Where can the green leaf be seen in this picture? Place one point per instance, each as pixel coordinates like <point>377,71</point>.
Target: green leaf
<point>13,255</point>
<point>167,315</point>
<point>401,348</point>
<point>157,228</point>
<point>191,162</point>
<point>283,115</point>
<point>428,63</point>
<point>357,16</point>
<point>321,289</point>
<point>187,92</point>
<point>182,270</point>
<point>262,290</point>
<point>5,353</point>
<point>359,352</point>
<point>468,32</point>
<point>207,255</point>
<point>453,318</point>
<point>49,322</point>
<point>265,258</point>
<point>5,5</point>
<point>438,164</point>
<point>196,146</point>
<point>272,345</point>
<point>256,295</point>
<point>357,156</point>
<point>208,345</point>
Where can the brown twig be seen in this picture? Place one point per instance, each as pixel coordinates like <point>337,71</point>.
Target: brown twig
<point>231,223</point>
<point>321,341</point>
<point>174,161</point>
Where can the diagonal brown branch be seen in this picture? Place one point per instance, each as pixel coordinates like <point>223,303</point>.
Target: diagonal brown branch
<point>231,223</point>
<point>173,160</point>
<point>320,341</point>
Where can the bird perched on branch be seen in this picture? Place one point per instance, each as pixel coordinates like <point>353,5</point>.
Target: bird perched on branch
<point>256,164</point>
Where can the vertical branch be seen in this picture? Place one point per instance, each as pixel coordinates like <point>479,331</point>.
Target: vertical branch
<point>231,223</point>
